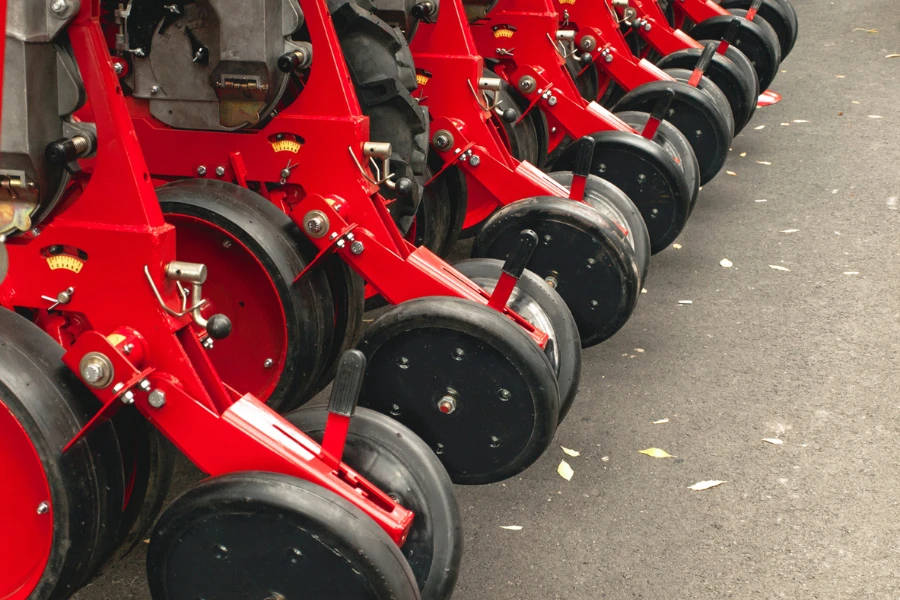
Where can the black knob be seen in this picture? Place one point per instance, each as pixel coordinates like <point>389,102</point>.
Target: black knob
<point>61,152</point>
<point>294,61</point>
<point>510,115</point>
<point>404,186</point>
<point>585,59</point>
<point>218,327</point>
<point>425,11</point>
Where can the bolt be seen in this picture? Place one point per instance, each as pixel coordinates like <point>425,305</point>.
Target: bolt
<point>59,6</point>
<point>220,170</point>
<point>395,410</point>
<point>602,168</point>
<point>157,398</point>
<point>442,139</point>
<point>588,43</point>
<point>357,247</point>
<point>43,508</point>
<point>527,84</point>
<point>314,225</point>
<point>447,404</point>
<point>548,239</point>
<point>154,89</point>
<point>594,304</point>
<point>144,385</point>
<point>698,133</point>
<point>608,58</point>
<point>504,394</point>
<point>475,160</point>
<point>553,130</point>
<point>439,449</point>
<point>647,27</point>
<point>552,100</point>
<point>226,243</point>
<point>128,397</point>
<point>118,68</point>
<point>591,262</point>
<point>641,178</point>
<point>201,170</point>
<point>36,231</point>
<point>654,212</point>
<point>495,441</point>
<point>92,373</point>
<point>268,363</point>
<point>96,370</point>
<point>118,387</point>
<point>208,343</point>
<point>459,354</point>
<point>127,348</point>
<point>551,281</point>
<point>403,362</point>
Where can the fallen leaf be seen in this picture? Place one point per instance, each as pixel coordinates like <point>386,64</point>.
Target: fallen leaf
<point>840,113</point>
<point>705,485</point>
<point>837,233</point>
<point>866,30</point>
<point>840,76</point>
<point>775,441</point>
<point>643,290</point>
<point>676,246</point>
<point>789,230</point>
<point>726,263</point>
<point>761,200</point>
<point>147,541</point>
<point>893,56</point>
<point>799,121</point>
<point>570,452</point>
<point>660,422</point>
<point>785,124</point>
<point>732,173</point>
<point>760,127</point>
<point>834,191</point>
<point>656,453</point>
<point>605,459</point>
<point>639,350</point>
<point>685,302</point>
<point>764,162</point>
<point>854,102</point>
<point>778,268</point>
<point>565,471</point>
<point>892,203</point>
<point>743,154</point>
<point>511,527</point>
<point>875,117</point>
<point>851,272</point>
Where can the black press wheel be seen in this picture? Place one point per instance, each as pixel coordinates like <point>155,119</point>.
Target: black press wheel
<point>63,510</point>
<point>282,332</point>
<point>777,13</point>
<point>400,464</point>
<point>536,301</point>
<point>585,256</point>
<point>708,127</point>
<point>675,144</point>
<point>733,74</point>
<point>612,203</point>
<point>647,174</point>
<point>266,535</point>
<point>467,380</point>
<point>757,40</point>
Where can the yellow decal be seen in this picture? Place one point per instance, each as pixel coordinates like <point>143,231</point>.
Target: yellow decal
<point>421,79</point>
<point>287,146</point>
<point>567,1</point>
<point>115,339</point>
<point>503,33</point>
<point>63,261</point>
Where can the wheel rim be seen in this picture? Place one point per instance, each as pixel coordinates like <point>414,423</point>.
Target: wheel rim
<point>27,514</point>
<point>252,358</point>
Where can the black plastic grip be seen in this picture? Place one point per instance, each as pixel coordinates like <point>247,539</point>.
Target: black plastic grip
<point>706,57</point>
<point>61,152</point>
<point>347,383</point>
<point>518,259</point>
<point>290,62</point>
<point>732,30</point>
<point>662,105</point>
<point>584,156</point>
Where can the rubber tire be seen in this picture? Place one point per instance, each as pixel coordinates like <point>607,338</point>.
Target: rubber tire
<point>383,74</point>
<point>732,73</point>
<point>86,482</point>
<point>677,196</point>
<point>530,137</point>
<point>431,494</point>
<point>476,320</point>
<point>500,233</point>
<point>338,525</point>
<point>277,243</point>
<point>615,205</point>
<point>695,102</point>
<point>674,143</point>
<point>776,14</point>
<point>757,40</point>
<point>568,341</point>
<point>154,466</point>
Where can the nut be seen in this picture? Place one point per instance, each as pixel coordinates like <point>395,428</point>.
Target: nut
<point>157,398</point>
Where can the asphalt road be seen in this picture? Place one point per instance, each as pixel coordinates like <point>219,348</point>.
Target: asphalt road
<point>807,356</point>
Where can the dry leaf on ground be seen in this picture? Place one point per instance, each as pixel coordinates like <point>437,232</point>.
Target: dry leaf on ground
<point>565,471</point>
<point>656,453</point>
<point>893,56</point>
<point>800,121</point>
<point>789,230</point>
<point>726,263</point>
<point>660,422</point>
<point>775,441</point>
<point>761,200</point>
<point>676,246</point>
<point>866,30</point>
<point>875,117</point>
<point>705,485</point>
<point>778,268</point>
<point>511,527</point>
<point>732,173</point>
<point>685,302</point>
<point>570,452</point>
<point>764,162</point>
<point>851,272</point>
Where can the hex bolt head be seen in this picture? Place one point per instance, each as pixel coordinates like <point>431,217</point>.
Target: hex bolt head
<point>447,404</point>
<point>357,247</point>
<point>504,394</point>
<point>59,6</point>
<point>442,139</point>
<point>157,399</point>
<point>118,68</point>
<point>475,160</point>
<point>154,89</point>
<point>201,170</point>
<point>92,373</point>
<point>43,508</point>
<point>128,397</point>
<point>552,281</point>
<point>220,170</point>
<point>144,385</point>
<point>96,370</point>
<point>314,225</point>
<point>552,100</point>
<point>608,58</point>
<point>588,43</point>
<point>208,343</point>
<point>268,363</point>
